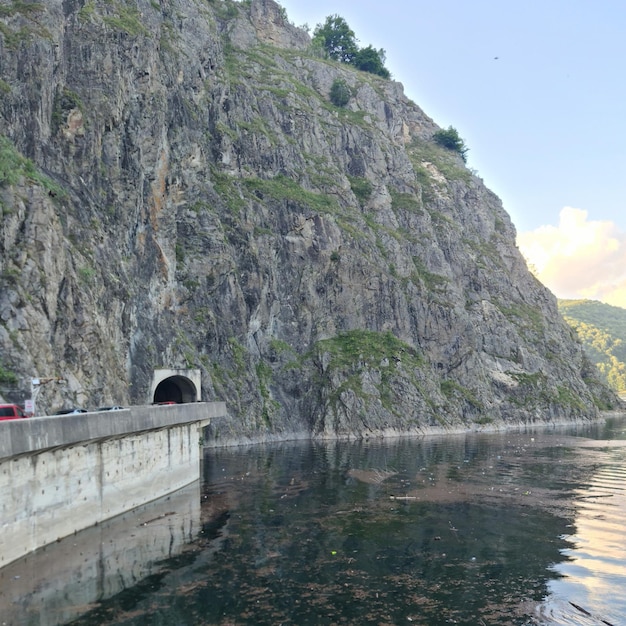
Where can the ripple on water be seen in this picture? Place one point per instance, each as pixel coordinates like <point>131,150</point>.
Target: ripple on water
<point>592,577</point>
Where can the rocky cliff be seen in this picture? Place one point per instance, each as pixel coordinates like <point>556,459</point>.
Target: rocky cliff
<point>177,190</point>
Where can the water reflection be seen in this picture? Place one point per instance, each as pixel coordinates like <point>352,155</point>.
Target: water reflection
<point>62,581</point>
<point>517,528</point>
<point>593,572</point>
<point>455,530</point>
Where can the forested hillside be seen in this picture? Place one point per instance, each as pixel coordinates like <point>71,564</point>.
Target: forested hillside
<point>602,329</point>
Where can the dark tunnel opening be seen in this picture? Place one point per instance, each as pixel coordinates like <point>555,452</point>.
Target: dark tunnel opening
<point>176,389</point>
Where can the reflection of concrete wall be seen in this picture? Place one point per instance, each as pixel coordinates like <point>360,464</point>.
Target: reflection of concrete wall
<point>62,581</point>
<point>59,475</point>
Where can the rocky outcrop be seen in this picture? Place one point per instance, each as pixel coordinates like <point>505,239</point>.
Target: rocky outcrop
<point>178,190</point>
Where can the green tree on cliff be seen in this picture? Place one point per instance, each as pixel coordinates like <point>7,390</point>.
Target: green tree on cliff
<point>336,38</point>
<point>339,42</point>
<point>371,60</point>
<point>450,139</point>
<point>340,93</point>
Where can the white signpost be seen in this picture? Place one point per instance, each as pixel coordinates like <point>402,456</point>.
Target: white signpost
<point>35,388</point>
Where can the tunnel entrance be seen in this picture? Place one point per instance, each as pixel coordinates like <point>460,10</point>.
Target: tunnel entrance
<point>177,386</point>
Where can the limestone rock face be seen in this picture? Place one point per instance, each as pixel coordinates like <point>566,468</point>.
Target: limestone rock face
<point>177,190</point>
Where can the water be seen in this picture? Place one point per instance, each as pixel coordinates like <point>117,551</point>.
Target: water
<point>478,529</point>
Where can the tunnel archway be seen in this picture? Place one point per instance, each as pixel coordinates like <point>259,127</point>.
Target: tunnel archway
<point>179,386</point>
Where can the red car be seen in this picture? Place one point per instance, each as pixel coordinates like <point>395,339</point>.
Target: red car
<point>11,412</point>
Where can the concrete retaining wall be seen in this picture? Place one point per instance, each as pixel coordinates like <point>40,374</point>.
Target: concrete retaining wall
<point>61,474</point>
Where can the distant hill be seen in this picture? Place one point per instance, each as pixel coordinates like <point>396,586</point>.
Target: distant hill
<point>602,329</point>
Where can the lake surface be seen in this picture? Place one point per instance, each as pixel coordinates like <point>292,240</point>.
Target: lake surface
<point>520,528</point>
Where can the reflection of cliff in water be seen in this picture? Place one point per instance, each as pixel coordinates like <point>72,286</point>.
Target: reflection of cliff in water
<point>64,580</point>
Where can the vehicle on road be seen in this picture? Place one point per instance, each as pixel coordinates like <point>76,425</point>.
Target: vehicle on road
<point>71,411</point>
<point>11,412</point>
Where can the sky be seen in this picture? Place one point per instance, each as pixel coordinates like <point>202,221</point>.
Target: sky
<point>537,90</point>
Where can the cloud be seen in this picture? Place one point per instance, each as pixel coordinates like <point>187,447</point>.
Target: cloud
<point>579,258</point>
